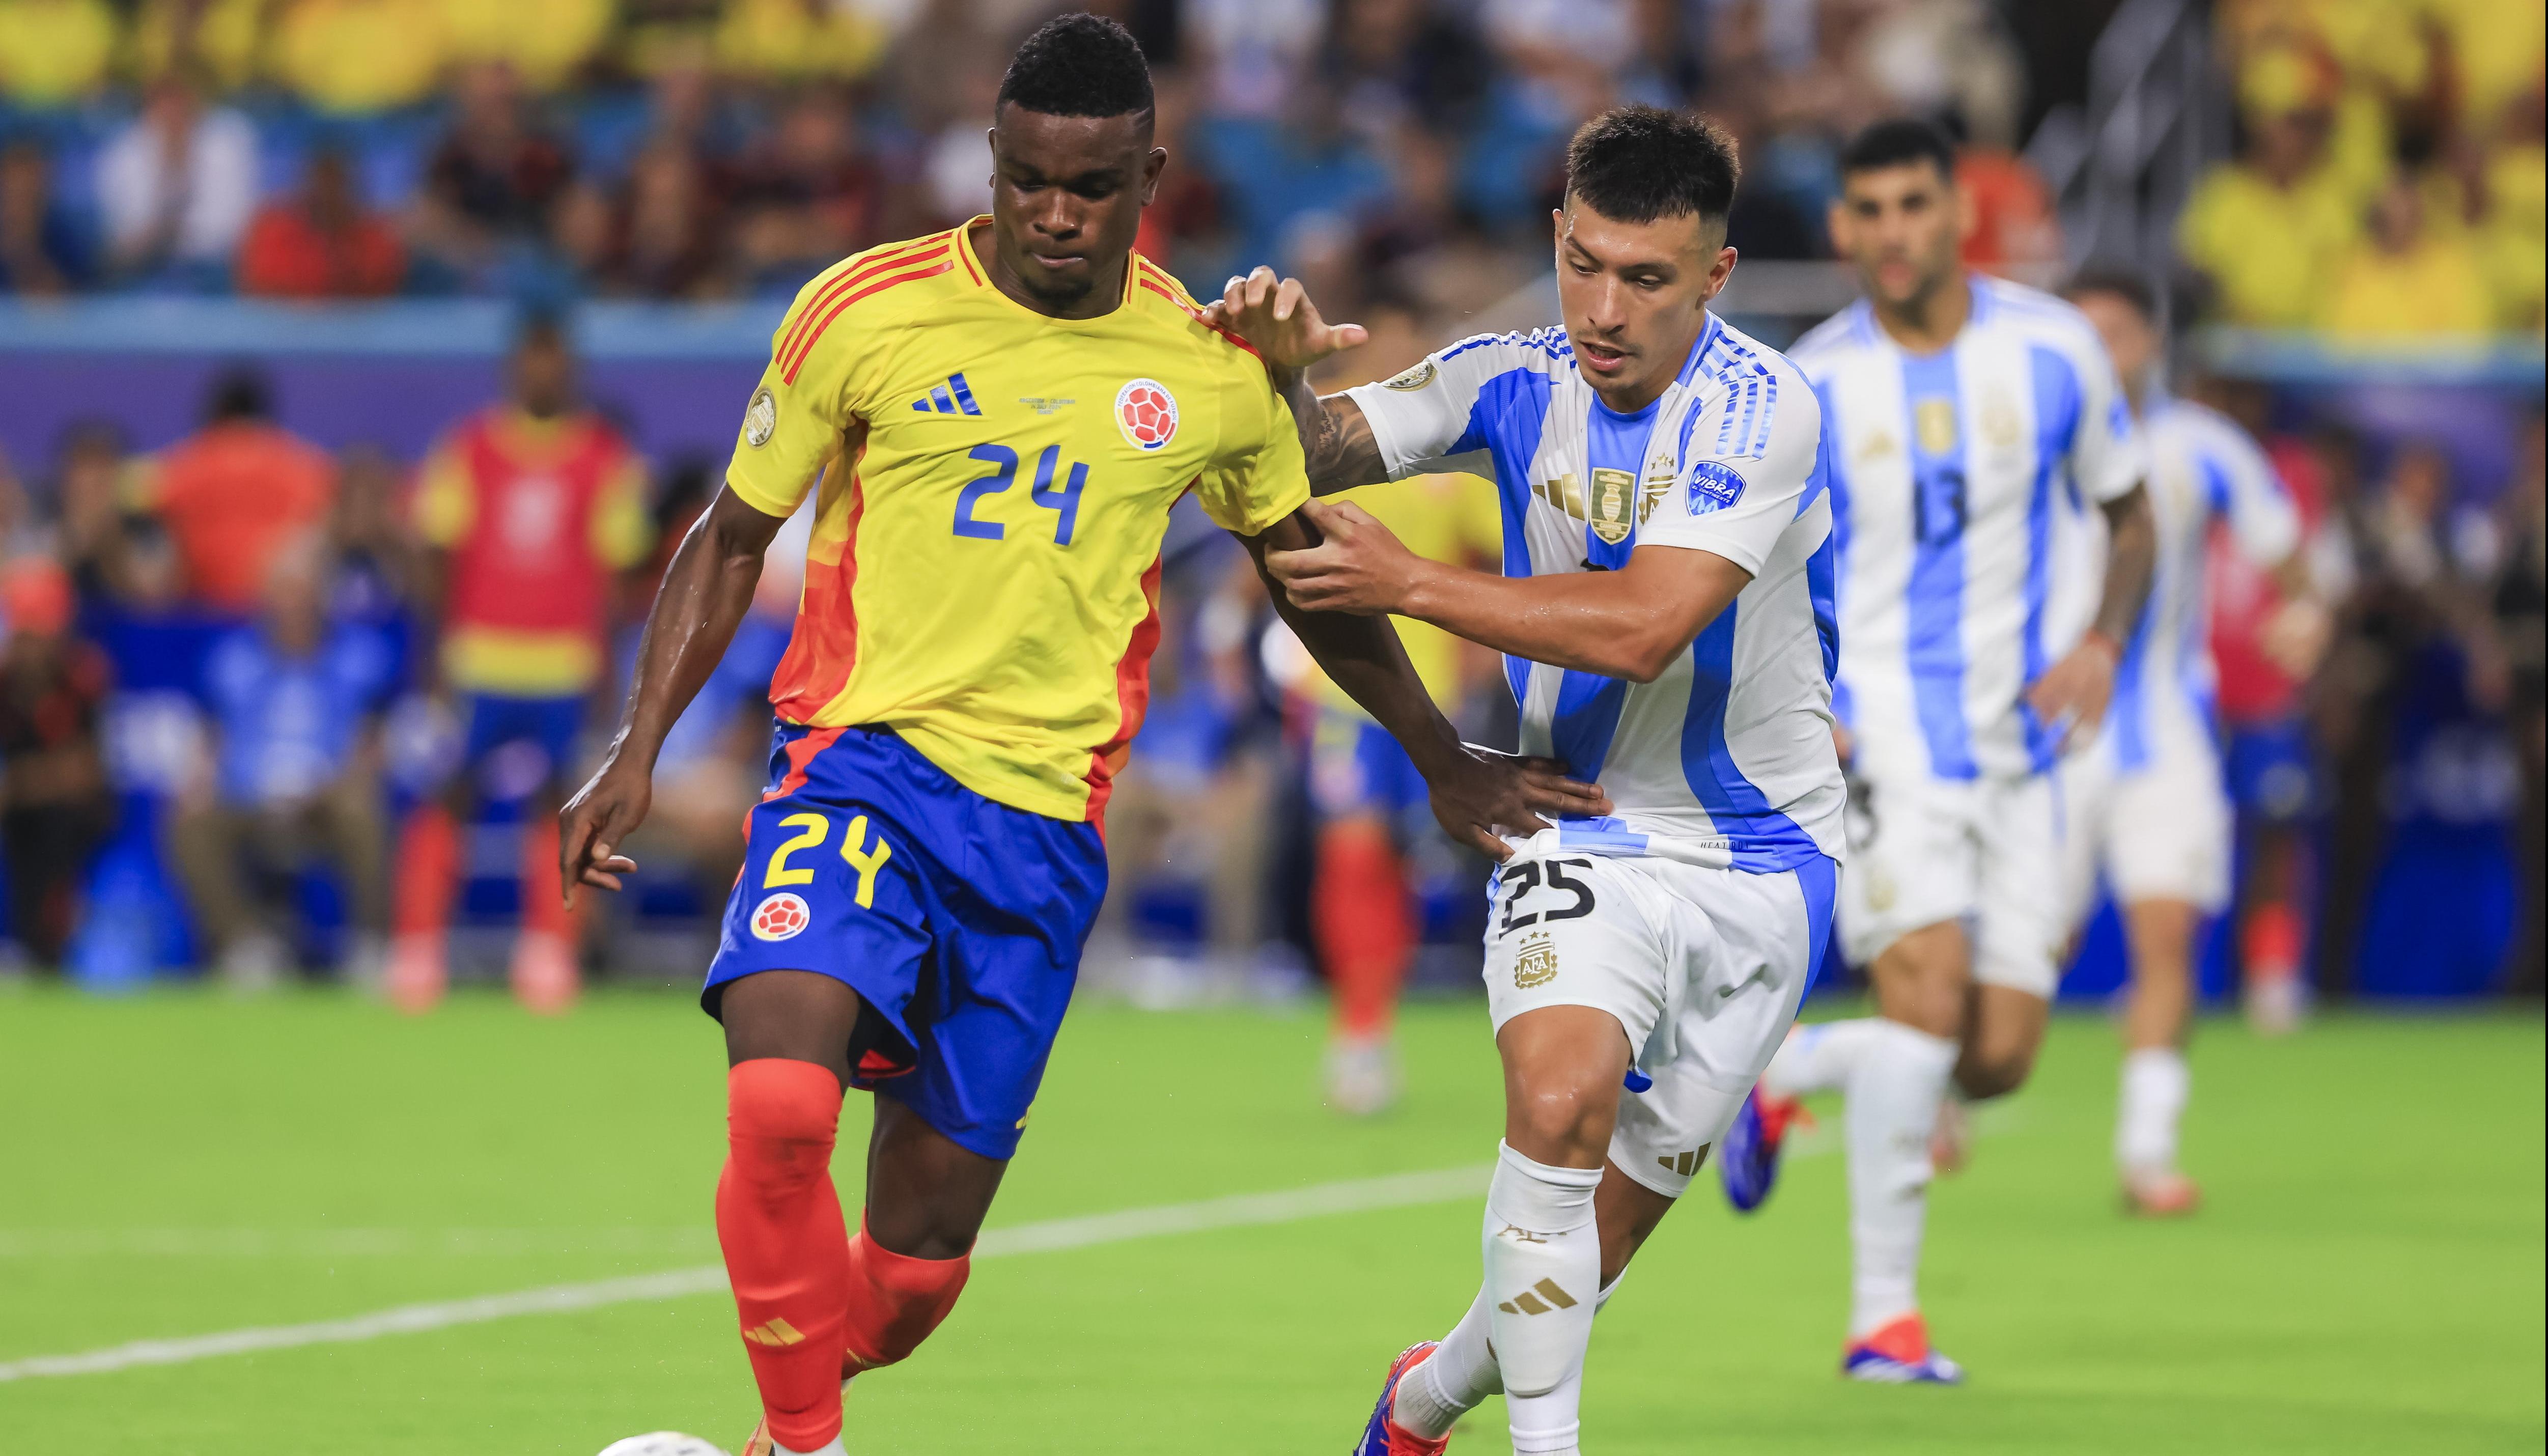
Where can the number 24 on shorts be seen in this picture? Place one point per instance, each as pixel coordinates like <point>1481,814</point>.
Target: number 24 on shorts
<point>1529,875</point>
<point>811,830</point>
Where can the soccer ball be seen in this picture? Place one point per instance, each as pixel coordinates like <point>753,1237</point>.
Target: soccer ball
<point>663,1443</point>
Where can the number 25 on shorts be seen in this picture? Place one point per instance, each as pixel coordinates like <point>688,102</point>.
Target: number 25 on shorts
<point>811,830</point>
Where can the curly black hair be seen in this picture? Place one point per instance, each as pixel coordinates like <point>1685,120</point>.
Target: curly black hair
<point>1637,164</point>
<point>1079,66</point>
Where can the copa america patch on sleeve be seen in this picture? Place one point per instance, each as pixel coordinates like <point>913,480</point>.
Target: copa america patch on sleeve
<point>1714,487</point>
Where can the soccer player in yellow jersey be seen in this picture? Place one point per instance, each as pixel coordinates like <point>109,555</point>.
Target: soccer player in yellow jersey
<point>1365,791</point>
<point>994,422</point>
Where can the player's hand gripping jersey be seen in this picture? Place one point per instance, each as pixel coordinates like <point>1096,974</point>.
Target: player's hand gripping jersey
<point>1955,478</point>
<point>984,574</point>
<point>1726,758</point>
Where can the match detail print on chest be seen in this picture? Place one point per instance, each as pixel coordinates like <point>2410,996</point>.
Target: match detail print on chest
<point>1609,501</point>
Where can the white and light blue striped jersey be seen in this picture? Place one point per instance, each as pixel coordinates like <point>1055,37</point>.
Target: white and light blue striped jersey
<point>1727,757</point>
<point>2202,468</point>
<point>1955,478</point>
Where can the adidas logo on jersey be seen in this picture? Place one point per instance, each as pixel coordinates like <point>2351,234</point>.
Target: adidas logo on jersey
<point>955,396</point>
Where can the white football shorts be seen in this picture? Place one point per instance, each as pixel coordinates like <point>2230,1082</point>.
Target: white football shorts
<point>1703,967</point>
<point>2159,831</point>
<point>1984,852</point>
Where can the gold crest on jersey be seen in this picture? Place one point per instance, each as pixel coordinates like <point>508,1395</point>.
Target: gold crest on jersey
<point>1614,493</point>
<point>1934,421</point>
<point>1416,378</point>
<point>760,418</point>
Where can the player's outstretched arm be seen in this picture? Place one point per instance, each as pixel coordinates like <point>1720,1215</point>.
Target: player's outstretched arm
<point>1278,320</point>
<point>1476,791</point>
<point>2073,692</point>
<point>706,592</point>
<point>1628,623</point>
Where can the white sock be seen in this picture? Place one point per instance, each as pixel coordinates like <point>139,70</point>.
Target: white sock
<point>1894,1090</point>
<point>1460,1373</point>
<point>834,1449</point>
<point>1543,1258</point>
<point>2156,1085</point>
<point>1819,1057</point>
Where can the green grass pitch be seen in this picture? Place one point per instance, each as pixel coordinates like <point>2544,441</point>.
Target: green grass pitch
<point>2367,1277</point>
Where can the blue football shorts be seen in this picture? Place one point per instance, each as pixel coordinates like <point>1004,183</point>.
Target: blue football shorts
<point>958,920</point>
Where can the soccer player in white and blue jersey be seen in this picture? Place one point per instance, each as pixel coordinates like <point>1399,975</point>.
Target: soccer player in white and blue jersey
<point>1974,424</point>
<point>1666,614</point>
<point>2144,801</point>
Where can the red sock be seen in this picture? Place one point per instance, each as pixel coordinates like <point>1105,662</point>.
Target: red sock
<point>895,1301</point>
<point>428,866</point>
<point>787,1250</point>
<point>544,909</point>
<point>2271,941</point>
<point>1364,929</point>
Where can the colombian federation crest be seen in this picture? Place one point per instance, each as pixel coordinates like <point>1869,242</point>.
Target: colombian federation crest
<point>782,917</point>
<point>1146,413</point>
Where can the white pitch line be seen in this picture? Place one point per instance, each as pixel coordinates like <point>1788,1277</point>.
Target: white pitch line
<point>1240,1210</point>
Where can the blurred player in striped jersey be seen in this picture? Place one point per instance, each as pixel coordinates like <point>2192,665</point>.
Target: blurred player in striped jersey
<point>1975,422</point>
<point>994,422</point>
<point>2146,802</point>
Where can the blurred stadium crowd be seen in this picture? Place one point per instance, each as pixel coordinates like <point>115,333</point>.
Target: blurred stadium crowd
<point>238,681</point>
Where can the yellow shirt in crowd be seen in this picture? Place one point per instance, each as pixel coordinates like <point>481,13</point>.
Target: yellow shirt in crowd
<point>360,56</point>
<point>2270,250</point>
<point>53,52</point>
<point>1453,518</point>
<point>2439,287</point>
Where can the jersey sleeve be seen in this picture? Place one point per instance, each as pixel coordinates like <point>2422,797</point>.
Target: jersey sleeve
<point>1259,475</point>
<point>444,505</point>
<point>2245,492</point>
<point>2108,456</point>
<point>1738,506</point>
<point>1445,407</point>
<point>622,534</point>
<point>796,417</point>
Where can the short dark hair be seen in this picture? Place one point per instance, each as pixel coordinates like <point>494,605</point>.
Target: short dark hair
<point>2118,283</point>
<point>1896,142</point>
<point>239,392</point>
<point>1079,66</point>
<point>1637,164</point>
<point>540,326</point>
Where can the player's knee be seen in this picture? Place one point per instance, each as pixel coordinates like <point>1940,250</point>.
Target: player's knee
<point>1994,1072</point>
<point>782,1118</point>
<point>1553,1117</point>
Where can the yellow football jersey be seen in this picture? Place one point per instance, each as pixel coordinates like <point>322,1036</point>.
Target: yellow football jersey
<point>983,575</point>
<point>1453,518</point>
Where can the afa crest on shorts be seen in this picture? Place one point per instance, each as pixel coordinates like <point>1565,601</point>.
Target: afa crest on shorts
<point>782,916</point>
<point>1146,413</point>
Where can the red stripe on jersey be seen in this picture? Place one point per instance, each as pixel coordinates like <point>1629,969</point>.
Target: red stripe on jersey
<point>1196,315</point>
<point>807,351</point>
<point>1131,701</point>
<point>824,648</point>
<point>964,250</point>
<point>849,278</point>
